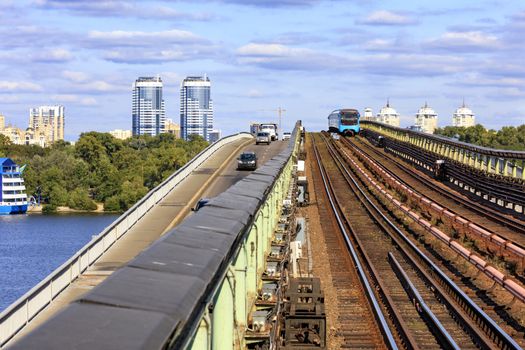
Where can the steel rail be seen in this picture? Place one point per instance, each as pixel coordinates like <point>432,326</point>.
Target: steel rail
<point>383,324</point>
<point>439,330</point>
<point>484,322</point>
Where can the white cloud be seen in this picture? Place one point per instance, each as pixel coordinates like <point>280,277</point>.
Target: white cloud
<point>9,99</point>
<point>465,41</point>
<point>84,101</point>
<point>139,38</point>
<point>254,93</point>
<point>378,44</point>
<point>98,85</point>
<point>21,86</point>
<point>75,76</point>
<point>476,79</point>
<point>52,55</point>
<point>387,18</point>
<point>171,77</point>
<point>269,50</point>
<point>144,57</point>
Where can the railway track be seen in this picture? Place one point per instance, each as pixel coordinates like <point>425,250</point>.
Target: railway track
<point>376,237</point>
<point>494,241</point>
<point>511,227</point>
<point>357,325</point>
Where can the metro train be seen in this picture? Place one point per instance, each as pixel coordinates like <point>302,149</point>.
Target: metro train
<point>344,122</point>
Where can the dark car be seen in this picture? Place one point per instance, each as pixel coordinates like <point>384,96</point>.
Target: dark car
<point>247,161</point>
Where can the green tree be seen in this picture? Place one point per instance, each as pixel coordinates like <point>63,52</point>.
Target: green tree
<point>90,150</point>
<point>58,196</point>
<point>79,199</point>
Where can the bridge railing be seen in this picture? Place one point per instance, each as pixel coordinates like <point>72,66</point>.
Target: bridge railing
<point>195,287</point>
<point>507,163</point>
<point>21,312</point>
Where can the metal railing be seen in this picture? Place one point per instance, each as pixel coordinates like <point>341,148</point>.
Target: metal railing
<point>21,312</point>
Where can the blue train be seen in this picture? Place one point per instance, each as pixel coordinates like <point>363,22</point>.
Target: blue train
<point>344,122</point>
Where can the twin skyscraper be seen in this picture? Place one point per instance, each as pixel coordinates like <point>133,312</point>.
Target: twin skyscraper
<point>196,107</point>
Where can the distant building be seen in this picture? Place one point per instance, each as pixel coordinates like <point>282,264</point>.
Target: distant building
<point>214,135</point>
<point>368,114</point>
<point>121,134</point>
<point>172,128</point>
<point>147,111</point>
<point>463,117</point>
<point>15,135</point>
<point>49,121</point>
<point>30,136</point>
<point>196,107</point>
<point>388,115</point>
<point>426,119</point>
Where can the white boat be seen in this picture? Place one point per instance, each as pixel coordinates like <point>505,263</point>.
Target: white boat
<point>13,197</point>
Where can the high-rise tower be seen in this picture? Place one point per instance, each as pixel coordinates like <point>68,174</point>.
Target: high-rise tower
<point>148,113</point>
<point>48,121</point>
<point>196,107</point>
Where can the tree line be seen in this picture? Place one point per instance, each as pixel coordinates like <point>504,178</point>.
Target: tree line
<point>100,168</point>
<point>508,137</point>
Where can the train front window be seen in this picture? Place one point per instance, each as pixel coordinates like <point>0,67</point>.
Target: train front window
<point>349,119</point>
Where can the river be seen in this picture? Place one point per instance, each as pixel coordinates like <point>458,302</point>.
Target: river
<point>33,245</point>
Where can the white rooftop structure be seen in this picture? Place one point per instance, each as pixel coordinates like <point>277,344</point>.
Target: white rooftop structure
<point>426,119</point>
<point>368,114</point>
<point>388,115</point>
<point>463,117</point>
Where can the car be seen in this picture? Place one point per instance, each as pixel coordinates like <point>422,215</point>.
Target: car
<point>263,137</point>
<point>247,161</point>
<point>286,136</point>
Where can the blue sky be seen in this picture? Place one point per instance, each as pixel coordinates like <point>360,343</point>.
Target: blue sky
<point>308,56</point>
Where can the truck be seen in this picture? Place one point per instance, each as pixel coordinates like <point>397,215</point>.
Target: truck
<point>270,128</point>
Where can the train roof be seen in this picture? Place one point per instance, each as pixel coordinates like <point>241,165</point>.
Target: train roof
<point>346,110</point>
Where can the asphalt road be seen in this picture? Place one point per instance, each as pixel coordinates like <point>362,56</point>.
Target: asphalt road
<point>230,175</point>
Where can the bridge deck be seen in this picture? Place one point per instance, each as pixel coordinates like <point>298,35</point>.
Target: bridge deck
<point>211,178</point>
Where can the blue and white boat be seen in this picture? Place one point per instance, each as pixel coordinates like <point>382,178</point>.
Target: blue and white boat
<point>13,197</point>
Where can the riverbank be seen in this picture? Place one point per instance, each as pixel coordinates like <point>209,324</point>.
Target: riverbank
<point>38,209</point>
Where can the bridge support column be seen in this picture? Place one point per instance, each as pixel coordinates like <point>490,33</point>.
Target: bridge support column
<point>202,339</point>
<point>241,288</point>
<point>223,325</point>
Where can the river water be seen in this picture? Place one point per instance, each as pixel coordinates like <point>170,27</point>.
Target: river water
<point>33,245</point>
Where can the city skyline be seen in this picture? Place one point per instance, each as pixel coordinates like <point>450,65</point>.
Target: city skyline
<point>315,57</point>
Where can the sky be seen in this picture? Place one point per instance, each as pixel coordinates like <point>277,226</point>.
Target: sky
<point>306,56</point>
